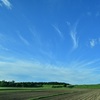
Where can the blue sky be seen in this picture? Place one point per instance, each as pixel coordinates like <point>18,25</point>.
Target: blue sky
<point>50,40</point>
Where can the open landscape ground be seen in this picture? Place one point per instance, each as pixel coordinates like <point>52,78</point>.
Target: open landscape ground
<point>50,94</point>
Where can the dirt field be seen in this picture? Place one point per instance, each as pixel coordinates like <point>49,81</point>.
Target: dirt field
<point>72,94</point>
<point>78,95</point>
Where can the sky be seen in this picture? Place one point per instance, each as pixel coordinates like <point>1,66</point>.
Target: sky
<point>50,40</point>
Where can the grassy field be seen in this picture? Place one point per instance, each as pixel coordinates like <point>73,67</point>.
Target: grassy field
<point>93,86</point>
<point>79,92</point>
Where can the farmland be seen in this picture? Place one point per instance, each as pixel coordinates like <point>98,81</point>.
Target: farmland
<point>49,94</point>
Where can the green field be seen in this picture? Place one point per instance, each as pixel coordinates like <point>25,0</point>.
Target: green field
<point>92,86</point>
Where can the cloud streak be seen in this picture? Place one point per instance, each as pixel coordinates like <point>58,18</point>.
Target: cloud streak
<point>74,39</point>
<point>93,42</point>
<point>73,34</point>
<point>23,40</point>
<point>58,31</point>
<point>24,70</point>
<point>7,4</point>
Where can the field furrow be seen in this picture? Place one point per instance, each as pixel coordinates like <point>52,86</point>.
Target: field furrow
<point>55,94</point>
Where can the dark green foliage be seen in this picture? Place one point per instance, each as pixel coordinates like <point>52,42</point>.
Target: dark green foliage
<point>61,85</point>
<point>30,84</point>
<point>19,84</point>
<point>55,83</point>
<point>65,85</point>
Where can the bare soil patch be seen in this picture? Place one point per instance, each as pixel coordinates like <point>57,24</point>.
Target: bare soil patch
<point>71,94</point>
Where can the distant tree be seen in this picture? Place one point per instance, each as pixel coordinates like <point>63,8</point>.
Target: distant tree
<point>3,83</point>
<point>65,85</point>
<point>11,83</point>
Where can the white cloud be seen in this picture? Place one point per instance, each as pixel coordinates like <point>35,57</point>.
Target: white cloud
<point>91,63</point>
<point>58,31</point>
<point>74,38</point>
<point>23,70</point>
<point>7,4</point>
<point>93,42</point>
<point>73,34</point>
<point>23,40</point>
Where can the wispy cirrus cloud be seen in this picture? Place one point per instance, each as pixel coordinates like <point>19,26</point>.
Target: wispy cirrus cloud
<point>44,48</point>
<point>24,70</point>
<point>74,38</point>
<point>90,63</point>
<point>58,31</point>
<point>73,34</point>
<point>35,35</point>
<point>93,42</point>
<point>23,40</point>
<point>7,3</point>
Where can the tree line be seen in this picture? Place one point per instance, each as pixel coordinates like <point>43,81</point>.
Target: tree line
<point>4,83</point>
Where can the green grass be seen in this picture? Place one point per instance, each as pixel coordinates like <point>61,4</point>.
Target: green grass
<point>88,86</point>
<point>48,87</point>
<point>16,89</point>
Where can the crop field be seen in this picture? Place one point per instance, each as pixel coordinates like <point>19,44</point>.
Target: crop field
<point>49,94</point>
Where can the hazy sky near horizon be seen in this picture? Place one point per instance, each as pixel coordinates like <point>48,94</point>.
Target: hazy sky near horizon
<point>50,40</point>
